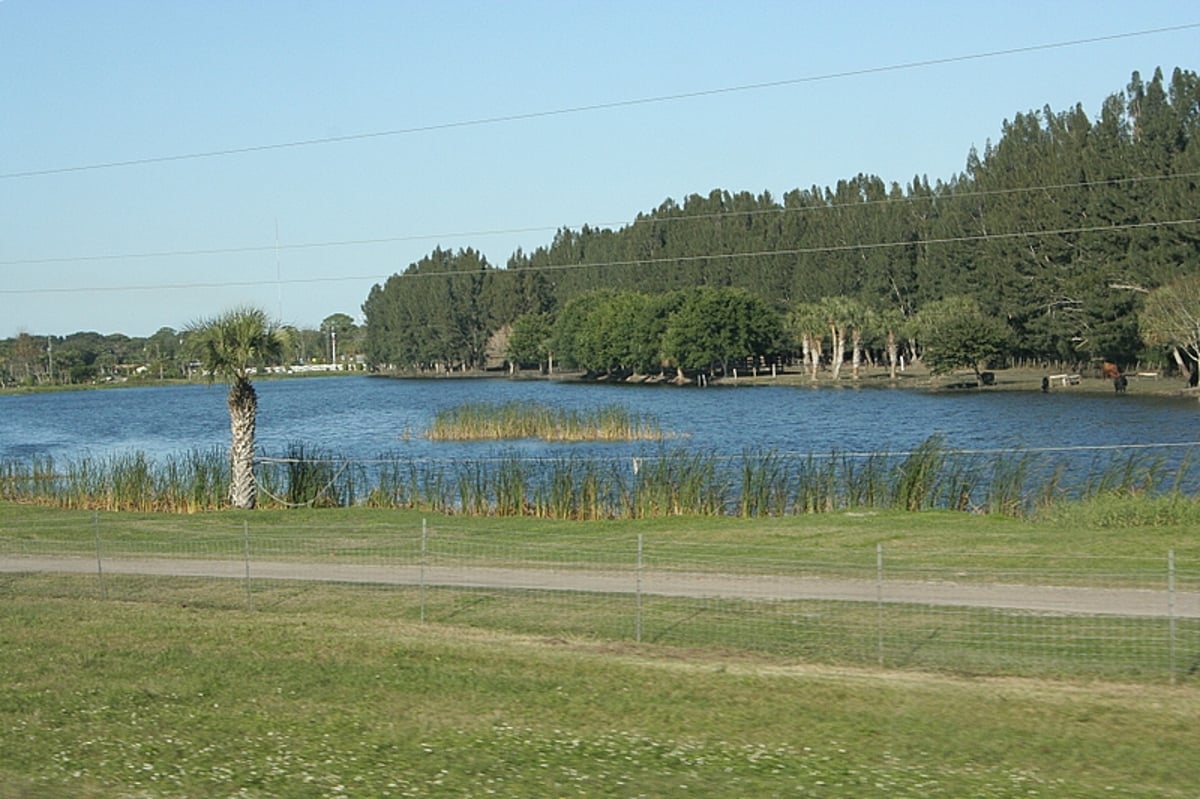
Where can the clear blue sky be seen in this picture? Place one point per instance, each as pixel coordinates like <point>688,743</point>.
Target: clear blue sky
<point>87,82</point>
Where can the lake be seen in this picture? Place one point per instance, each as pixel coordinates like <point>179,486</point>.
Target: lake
<point>363,417</point>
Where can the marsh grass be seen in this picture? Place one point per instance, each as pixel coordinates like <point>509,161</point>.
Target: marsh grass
<point>673,481</point>
<point>194,481</point>
<point>331,695</point>
<point>476,421</point>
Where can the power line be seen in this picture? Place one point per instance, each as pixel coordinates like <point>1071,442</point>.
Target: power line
<point>252,248</point>
<point>647,262</point>
<point>734,457</point>
<point>606,106</point>
<point>782,210</point>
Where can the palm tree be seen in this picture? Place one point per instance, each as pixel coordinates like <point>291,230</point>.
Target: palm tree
<point>228,347</point>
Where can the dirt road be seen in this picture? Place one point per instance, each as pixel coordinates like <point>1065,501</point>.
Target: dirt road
<point>1034,598</point>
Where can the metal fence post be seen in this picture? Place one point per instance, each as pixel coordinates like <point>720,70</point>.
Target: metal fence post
<point>246,558</point>
<point>879,602</point>
<point>424,551</point>
<point>1171,611</point>
<point>637,624</point>
<point>99,559</point>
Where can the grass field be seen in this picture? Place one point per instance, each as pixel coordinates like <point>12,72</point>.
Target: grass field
<point>333,692</point>
<point>146,700</point>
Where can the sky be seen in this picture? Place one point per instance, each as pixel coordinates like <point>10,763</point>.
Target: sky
<point>162,162</point>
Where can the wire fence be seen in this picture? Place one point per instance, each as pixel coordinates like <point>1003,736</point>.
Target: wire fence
<point>1067,616</point>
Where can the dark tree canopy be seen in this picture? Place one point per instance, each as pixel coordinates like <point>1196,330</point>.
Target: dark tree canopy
<point>1058,230</point>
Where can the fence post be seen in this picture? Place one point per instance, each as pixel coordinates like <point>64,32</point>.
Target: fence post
<point>246,558</point>
<point>879,602</point>
<point>424,550</point>
<point>1171,611</point>
<point>99,560</point>
<point>637,623</point>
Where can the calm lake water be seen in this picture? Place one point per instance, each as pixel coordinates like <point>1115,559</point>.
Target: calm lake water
<point>362,417</point>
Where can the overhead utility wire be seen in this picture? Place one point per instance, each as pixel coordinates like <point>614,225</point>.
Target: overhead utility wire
<point>313,245</point>
<point>738,457</point>
<point>628,262</point>
<point>579,109</point>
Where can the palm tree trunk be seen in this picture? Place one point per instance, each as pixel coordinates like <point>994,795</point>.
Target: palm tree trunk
<point>839,349</point>
<point>243,408</point>
<point>856,352</point>
<point>814,355</point>
<point>892,349</point>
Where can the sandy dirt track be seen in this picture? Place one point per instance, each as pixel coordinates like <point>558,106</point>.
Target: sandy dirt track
<point>1032,598</point>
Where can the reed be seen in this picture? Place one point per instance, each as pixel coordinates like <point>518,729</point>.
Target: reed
<point>1006,489</point>
<point>577,488</point>
<point>917,478</point>
<point>185,483</point>
<point>512,487</point>
<point>670,482</point>
<point>305,477</point>
<point>816,485</point>
<point>765,485</point>
<point>678,483</point>
<point>477,421</point>
<point>865,481</point>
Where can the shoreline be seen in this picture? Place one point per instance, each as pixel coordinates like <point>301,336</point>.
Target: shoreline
<point>914,378</point>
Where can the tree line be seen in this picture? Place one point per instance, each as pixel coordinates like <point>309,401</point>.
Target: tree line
<point>88,357</point>
<point>1048,246</point>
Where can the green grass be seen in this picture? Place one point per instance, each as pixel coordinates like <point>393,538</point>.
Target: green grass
<point>1070,549</point>
<point>1107,531</point>
<point>172,688</point>
<point>342,698</point>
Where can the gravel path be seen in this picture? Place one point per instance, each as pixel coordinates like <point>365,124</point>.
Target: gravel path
<point>1037,598</point>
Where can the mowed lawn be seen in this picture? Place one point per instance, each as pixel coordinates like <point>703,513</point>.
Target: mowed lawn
<point>339,696</point>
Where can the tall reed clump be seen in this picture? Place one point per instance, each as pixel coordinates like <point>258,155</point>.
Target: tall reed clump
<point>578,488</point>
<point>766,483</point>
<point>194,481</point>
<point>309,478</point>
<point>400,483</point>
<point>1006,492</point>
<point>512,487</point>
<point>816,485</point>
<point>28,480</point>
<point>865,480</point>
<point>679,483</point>
<point>917,477</point>
<point>1137,473</point>
<point>512,420</point>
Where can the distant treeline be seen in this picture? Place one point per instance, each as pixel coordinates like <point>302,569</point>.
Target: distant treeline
<point>1051,239</point>
<point>1069,240</point>
<point>89,357</point>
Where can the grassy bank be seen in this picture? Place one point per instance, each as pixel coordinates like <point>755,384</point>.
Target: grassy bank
<point>104,700</point>
<point>1105,529</point>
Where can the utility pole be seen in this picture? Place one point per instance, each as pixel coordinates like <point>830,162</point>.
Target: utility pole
<point>50,357</point>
